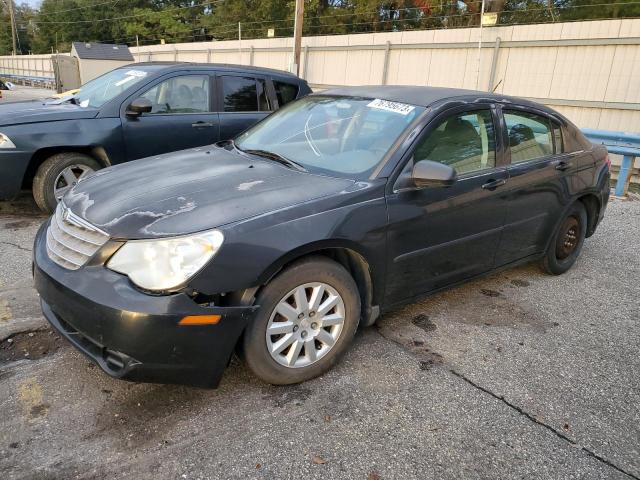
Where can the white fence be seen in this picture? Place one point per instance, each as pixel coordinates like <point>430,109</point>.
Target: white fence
<point>590,71</point>
<point>36,67</point>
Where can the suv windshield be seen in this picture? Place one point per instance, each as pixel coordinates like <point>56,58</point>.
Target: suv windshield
<point>100,90</point>
<point>340,136</point>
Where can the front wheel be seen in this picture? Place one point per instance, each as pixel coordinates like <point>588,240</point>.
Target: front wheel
<point>57,175</point>
<point>308,315</point>
<point>566,244</point>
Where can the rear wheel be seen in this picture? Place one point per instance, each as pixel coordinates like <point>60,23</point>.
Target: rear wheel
<point>567,241</point>
<point>308,316</point>
<point>57,175</point>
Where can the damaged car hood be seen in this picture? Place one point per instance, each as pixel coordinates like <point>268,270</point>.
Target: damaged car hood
<point>190,191</point>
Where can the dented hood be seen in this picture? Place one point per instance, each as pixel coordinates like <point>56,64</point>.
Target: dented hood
<point>191,191</point>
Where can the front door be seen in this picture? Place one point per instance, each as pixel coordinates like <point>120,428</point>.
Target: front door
<point>439,236</point>
<point>538,189</point>
<point>244,101</point>
<point>182,117</point>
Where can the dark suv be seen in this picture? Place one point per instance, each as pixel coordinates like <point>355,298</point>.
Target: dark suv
<point>140,110</point>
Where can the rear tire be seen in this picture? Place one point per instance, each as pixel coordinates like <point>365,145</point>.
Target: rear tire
<point>315,336</point>
<point>50,176</point>
<point>567,241</point>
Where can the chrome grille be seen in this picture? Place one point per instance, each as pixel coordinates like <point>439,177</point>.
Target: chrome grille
<point>71,241</point>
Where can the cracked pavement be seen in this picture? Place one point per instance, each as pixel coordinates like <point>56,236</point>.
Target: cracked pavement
<point>516,375</point>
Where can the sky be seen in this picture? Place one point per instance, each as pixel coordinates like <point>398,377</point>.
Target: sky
<point>31,3</point>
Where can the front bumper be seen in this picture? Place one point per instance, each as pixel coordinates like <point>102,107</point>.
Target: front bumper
<point>132,335</point>
<point>13,165</point>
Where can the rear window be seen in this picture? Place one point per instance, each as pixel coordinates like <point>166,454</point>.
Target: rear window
<point>244,94</point>
<point>285,92</point>
<point>240,94</point>
<point>530,135</point>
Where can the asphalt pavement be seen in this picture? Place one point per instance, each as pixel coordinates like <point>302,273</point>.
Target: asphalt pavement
<point>516,375</point>
<point>21,93</point>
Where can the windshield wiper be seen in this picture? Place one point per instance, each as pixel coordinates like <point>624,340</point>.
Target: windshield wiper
<point>274,156</point>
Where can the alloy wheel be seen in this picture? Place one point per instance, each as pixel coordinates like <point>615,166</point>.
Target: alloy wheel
<point>68,178</point>
<point>305,325</point>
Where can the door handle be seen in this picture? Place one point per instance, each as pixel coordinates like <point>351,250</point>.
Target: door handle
<point>202,124</point>
<point>493,184</point>
<point>562,165</point>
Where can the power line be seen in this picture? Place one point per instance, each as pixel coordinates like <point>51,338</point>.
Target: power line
<point>77,8</point>
<point>214,31</point>
<point>203,4</point>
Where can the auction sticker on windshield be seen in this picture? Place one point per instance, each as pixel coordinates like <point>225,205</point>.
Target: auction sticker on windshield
<point>401,108</point>
<point>136,73</point>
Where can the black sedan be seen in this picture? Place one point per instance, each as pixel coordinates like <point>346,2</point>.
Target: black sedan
<point>335,209</point>
<point>132,112</point>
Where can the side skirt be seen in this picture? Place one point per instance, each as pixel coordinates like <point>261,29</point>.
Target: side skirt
<point>415,298</point>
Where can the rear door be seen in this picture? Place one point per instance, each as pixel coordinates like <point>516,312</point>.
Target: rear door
<point>243,100</point>
<point>539,176</point>
<point>183,116</point>
<point>441,235</point>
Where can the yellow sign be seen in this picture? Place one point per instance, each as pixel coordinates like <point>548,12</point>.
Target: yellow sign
<point>489,19</point>
<point>271,32</point>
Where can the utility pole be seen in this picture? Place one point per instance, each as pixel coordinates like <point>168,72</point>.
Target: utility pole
<point>479,46</point>
<point>239,43</point>
<point>12,16</point>
<point>297,36</point>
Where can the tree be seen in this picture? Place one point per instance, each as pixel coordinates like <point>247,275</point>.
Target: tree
<point>57,23</point>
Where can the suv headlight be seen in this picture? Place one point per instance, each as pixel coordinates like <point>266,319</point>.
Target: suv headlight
<point>165,264</point>
<point>5,142</point>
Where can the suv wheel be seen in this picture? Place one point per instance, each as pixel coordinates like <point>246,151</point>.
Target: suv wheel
<point>57,175</point>
<point>567,241</point>
<point>308,315</point>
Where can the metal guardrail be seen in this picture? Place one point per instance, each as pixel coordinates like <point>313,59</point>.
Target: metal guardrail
<point>31,81</point>
<point>620,143</point>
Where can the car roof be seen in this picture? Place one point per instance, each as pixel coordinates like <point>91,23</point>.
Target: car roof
<point>426,96</point>
<point>223,67</point>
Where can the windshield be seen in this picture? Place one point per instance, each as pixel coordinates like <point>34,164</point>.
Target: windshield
<point>339,136</point>
<point>100,90</point>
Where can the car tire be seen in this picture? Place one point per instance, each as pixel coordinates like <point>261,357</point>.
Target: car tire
<point>50,174</point>
<point>567,241</point>
<point>308,277</point>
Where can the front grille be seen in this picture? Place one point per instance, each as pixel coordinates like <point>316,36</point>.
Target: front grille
<point>71,241</point>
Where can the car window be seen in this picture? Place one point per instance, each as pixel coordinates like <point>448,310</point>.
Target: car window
<point>557,138</point>
<point>285,92</point>
<point>333,135</point>
<point>465,141</point>
<point>529,135</point>
<point>240,94</point>
<point>263,97</point>
<point>99,91</point>
<point>187,94</point>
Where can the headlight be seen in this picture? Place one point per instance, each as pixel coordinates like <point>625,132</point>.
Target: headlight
<point>5,142</point>
<point>165,264</point>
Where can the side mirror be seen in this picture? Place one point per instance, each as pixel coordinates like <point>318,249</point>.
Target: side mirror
<point>138,107</point>
<point>427,173</point>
